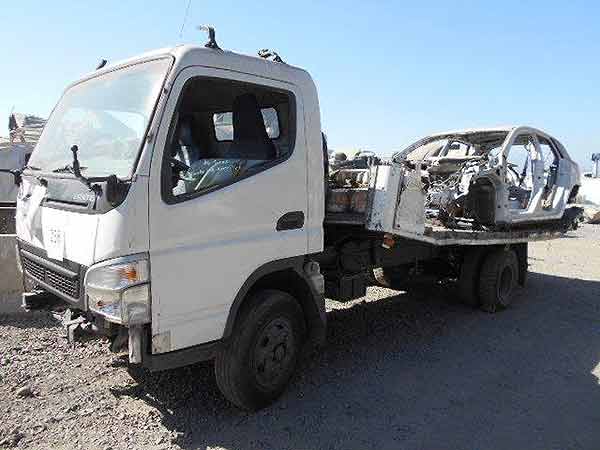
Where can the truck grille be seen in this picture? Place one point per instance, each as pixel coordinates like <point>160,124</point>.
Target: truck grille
<point>66,285</point>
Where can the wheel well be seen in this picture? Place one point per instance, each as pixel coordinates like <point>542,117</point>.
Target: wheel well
<point>289,281</point>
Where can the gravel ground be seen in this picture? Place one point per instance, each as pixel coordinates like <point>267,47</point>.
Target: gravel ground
<point>408,370</point>
<point>7,220</point>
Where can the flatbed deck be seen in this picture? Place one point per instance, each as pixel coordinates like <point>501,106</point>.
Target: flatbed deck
<point>441,236</point>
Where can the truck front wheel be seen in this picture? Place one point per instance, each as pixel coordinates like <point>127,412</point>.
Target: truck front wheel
<point>497,280</point>
<point>260,358</point>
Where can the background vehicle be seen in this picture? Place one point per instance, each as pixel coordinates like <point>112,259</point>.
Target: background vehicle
<point>191,224</point>
<point>15,152</point>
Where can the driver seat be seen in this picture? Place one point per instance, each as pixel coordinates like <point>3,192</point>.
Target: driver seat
<point>185,149</point>
<point>250,138</point>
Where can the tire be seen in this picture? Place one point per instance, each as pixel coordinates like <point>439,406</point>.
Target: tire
<point>255,367</point>
<point>468,280</point>
<point>498,279</point>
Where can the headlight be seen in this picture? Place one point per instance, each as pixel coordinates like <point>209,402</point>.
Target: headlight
<point>119,290</point>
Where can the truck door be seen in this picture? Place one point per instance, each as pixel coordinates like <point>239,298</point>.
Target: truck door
<point>228,194</point>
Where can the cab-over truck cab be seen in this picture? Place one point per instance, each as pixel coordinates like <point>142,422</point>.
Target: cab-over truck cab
<point>171,202</point>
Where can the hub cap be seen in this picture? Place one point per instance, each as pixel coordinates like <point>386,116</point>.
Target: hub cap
<point>274,352</point>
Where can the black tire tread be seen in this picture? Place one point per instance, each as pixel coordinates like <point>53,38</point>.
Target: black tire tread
<point>488,278</point>
<point>229,361</point>
<point>468,281</point>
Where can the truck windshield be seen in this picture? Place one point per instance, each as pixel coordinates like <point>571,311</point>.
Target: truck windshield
<point>106,117</point>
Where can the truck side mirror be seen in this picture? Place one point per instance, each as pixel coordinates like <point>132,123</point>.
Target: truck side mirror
<point>115,190</point>
<point>112,189</point>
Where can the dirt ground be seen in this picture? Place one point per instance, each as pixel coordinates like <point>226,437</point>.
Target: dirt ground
<point>7,220</point>
<point>408,370</point>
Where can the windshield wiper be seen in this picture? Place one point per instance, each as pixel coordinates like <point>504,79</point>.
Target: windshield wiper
<point>115,189</point>
<point>65,169</point>
<point>75,169</point>
<point>28,167</point>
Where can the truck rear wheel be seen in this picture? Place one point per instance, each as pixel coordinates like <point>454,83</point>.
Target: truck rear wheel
<point>257,364</point>
<point>468,280</point>
<point>497,280</point>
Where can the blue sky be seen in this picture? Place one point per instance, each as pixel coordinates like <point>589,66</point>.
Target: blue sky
<point>387,72</point>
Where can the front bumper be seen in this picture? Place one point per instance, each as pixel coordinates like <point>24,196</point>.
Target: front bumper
<point>135,339</point>
<point>65,280</point>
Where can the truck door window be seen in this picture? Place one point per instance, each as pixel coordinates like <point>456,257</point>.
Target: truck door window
<point>223,123</point>
<point>225,131</point>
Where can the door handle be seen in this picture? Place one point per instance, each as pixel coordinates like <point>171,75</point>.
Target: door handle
<point>290,221</point>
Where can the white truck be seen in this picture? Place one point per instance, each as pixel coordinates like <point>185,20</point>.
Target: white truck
<point>176,203</point>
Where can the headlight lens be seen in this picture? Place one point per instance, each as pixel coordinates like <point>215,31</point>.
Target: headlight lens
<point>121,291</point>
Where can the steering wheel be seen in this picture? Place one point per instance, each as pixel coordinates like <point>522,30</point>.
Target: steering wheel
<point>179,166</point>
<point>235,167</point>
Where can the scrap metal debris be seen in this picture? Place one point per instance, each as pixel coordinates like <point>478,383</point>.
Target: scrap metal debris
<point>489,179</point>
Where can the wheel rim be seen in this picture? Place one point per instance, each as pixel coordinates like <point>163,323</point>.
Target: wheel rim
<point>274,353</point>
<point>505,286</point>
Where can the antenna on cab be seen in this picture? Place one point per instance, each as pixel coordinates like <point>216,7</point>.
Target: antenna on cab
<point>212,42</point>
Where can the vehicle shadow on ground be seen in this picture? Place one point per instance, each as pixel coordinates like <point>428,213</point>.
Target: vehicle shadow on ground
<point>415,371</point>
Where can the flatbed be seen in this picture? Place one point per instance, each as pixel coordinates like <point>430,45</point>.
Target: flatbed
<point>442,236</point>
